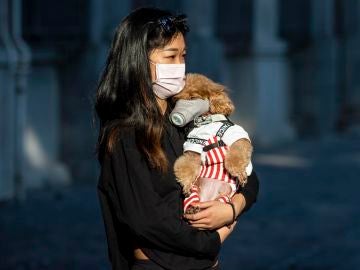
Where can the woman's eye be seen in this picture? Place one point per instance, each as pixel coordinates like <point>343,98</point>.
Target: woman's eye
<point>170,56</point>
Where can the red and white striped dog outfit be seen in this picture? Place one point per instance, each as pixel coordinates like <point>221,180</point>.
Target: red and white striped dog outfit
<point>211,138</point>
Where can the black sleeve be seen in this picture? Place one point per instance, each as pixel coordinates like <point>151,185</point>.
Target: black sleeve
<point>250,191</point>
<point>142,209</point>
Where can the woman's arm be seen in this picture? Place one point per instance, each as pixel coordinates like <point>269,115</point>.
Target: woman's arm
<point>250,192</point>
<point>215,214</point>
<point>128,187</point>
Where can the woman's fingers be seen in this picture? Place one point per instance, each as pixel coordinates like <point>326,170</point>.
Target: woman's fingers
<point>213,215</point>
<point>204,205</point>
<point>198,216</point>
<point>202,220</point>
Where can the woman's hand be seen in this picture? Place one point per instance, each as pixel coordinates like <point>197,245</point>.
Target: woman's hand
<point>215,214</point>
<point>212,215</point>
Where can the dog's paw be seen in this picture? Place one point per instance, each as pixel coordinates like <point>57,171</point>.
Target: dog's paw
<point>238,158</point>
<point>242,179</point>
<point>192,210</point>
<point>186,172</point>
<point>235,165</point>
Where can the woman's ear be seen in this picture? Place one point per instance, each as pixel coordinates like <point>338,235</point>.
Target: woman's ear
<point>221,103</point>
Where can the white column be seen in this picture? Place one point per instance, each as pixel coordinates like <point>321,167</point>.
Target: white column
<point>351,45</point>
<point>204,49</point>
<point>21,75</point>
<point>324,64</point>
<point>260,82</point>
<point>79,80</point>
<point>8,60</point>
<point>42,141</point>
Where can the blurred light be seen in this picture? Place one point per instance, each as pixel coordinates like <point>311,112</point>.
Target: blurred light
<point>281,161</point>
<point>34,150</point>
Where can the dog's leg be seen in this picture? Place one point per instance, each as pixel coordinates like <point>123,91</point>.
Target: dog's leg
<point>237,159</point>
<point>186,169</point>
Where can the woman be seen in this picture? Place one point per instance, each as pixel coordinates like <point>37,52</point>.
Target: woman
<point>140,199</point>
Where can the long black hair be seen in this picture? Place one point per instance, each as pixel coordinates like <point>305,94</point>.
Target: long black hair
<point>124,94</point>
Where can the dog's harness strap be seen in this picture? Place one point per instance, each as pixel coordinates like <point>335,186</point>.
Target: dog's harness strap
<point>224,128</point>
<point>207,119</point>
<point>213,145</point>
<point>196,140</point>
<point>221,131</point>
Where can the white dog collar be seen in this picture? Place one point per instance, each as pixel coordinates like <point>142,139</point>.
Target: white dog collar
<point>210,118</point>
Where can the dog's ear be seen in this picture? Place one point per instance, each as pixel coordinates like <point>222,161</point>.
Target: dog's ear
<point>189,88</point>
<point>220,102</point>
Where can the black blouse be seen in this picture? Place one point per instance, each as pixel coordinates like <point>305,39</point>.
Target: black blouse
<point>141,204</point>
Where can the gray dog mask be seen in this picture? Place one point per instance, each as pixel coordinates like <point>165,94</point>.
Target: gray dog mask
<point>186,110</point>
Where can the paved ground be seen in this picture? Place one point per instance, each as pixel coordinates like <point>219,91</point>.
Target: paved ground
<point>307,217</point>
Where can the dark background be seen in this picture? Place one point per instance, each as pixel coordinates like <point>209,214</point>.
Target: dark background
<point>292,68</point>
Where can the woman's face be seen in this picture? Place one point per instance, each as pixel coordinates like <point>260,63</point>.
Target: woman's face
<point>172,53</point>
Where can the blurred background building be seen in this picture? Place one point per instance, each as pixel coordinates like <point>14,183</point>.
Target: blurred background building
<point>293,68</point>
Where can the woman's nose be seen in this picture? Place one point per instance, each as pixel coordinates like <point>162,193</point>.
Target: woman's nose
<point>180,60</point>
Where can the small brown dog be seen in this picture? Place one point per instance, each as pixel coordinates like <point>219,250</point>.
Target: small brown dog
<point>217,153</point>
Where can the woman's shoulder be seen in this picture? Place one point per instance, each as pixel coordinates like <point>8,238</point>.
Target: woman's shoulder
<point>125,137</point>
<point>117,148</point>
<point>126,133</point>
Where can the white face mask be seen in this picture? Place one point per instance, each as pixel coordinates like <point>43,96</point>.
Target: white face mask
<point>170,79</point>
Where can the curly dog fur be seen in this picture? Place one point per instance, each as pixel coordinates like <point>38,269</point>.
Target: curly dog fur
<point>187,166</point>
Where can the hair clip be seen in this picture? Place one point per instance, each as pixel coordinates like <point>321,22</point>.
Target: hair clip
<point>166,23</point>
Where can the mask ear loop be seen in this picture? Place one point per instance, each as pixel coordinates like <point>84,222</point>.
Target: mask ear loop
<point>153,63</point>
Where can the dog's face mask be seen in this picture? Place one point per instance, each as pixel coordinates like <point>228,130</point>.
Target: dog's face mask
<point>186,111</point>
